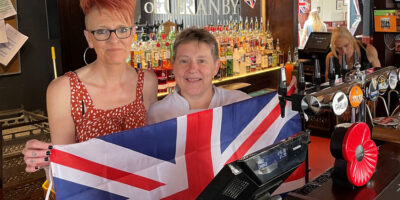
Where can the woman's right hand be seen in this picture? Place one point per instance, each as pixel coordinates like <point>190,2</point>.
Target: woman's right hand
<point>36,155</point>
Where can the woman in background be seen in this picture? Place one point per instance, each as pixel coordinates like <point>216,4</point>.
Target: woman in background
<point>313,24</point>
<point>103,97</point>
<point>342,42</point>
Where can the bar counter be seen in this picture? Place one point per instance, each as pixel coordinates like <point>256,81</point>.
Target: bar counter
<point>384,184</point>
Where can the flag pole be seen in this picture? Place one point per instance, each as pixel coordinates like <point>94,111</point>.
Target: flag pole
<point>53,57</point>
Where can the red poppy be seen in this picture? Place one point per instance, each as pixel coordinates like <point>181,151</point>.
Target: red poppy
<point>361,154</point>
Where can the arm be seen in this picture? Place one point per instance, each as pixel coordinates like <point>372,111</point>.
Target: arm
<point>62,128</point>
<point>150,88</point>
<point>372,55</point>
<point>303,36</point>
<point>327,66</point>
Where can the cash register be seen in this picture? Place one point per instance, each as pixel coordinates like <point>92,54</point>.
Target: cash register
<point>257,175</point>
<point>317,47</point>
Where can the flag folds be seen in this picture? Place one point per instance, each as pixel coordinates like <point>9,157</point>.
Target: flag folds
<point>175,159</point>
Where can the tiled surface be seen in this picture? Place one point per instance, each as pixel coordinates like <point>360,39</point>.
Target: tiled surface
<point>320,158</point>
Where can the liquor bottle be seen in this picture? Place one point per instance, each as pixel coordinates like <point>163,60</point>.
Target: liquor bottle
<point>171,39</point>
<point>251,26</point>
<point>148,55</point>
<point>270,38</point>
<point>229,61</point>
<point>134,48</point>
<point>274,57</point>
<point>281,60</point>
<point>223,66</point>
<point>236,60</point>
<point>289,67</point>
<point>295,62</point>
<point>139,61</point>
<point>243,61</point>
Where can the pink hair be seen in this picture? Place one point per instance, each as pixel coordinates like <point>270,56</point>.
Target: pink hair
<point>125,8</point>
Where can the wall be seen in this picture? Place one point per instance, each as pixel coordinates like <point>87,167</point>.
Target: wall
<point>328,10</point>
<point>28,89</point>
<point>387,57</point>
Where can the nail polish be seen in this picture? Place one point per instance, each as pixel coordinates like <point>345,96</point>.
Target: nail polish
<point>48,153</point>
<point>46,159</point>
<point>50,146</point>
<point>36,167</point>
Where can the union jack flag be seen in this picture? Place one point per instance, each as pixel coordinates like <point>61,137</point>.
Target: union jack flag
<point>175,159</point>
<point>251,3</point>
<point>303,6</point>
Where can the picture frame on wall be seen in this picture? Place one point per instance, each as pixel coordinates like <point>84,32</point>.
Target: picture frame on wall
<point>339,4</point>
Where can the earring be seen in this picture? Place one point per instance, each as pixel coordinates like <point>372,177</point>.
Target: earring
<point>84,55</point>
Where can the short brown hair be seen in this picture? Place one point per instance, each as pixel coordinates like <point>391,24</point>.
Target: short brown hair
<point>197,34</point>
<point>123,8</point>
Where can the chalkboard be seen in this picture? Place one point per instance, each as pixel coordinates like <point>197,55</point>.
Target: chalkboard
<point>14,66</point>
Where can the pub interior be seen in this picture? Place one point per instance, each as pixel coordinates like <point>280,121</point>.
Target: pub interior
<point>260,53</point>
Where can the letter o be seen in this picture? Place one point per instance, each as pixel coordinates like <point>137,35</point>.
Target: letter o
<point>146,7</point>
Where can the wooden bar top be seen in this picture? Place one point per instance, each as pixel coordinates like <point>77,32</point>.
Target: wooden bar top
<point>383,183</point>
<point>386,134</point>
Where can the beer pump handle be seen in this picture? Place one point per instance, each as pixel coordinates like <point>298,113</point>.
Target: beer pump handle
<point>301,83</point>
<point>344,67</point>
<point>282,90</point>
<point>317,74</point>
<point>331,75</point>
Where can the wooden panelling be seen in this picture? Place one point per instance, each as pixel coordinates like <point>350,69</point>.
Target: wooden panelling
<point>282,15</point>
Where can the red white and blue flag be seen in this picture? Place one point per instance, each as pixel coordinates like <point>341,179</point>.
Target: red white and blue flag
<point>251,3</point>
<point>304,6</point>
<point>175,159</point>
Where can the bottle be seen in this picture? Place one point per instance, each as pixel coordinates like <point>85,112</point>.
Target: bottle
<point>223,66</point>
<point>134,47</point>
<point>236,60</point>
<point>289,68</point>
<point>243,61</point>
<point>171,39</point>
<point>148,59</point>
<point>269,37</point>
<point>280,54</point>
<point>229,61</point>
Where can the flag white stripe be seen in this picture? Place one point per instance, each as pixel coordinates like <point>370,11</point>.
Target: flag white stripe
<point>99,151</point>
<point>215,140</point>
<point>272,133</point>
<point>249,129</point>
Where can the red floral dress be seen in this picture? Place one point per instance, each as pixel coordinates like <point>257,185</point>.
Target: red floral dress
<point>91,122</point>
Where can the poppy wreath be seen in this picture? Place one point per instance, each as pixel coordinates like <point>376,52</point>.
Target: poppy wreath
<point>356,154</point>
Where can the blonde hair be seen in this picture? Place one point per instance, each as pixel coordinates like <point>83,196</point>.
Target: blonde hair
<point>317,25</point>
<point>342,32</point>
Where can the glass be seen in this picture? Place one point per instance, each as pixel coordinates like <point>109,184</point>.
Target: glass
<point>105,34</point>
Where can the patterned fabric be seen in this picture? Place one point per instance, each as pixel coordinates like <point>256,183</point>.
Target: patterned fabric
<point>91,122</point>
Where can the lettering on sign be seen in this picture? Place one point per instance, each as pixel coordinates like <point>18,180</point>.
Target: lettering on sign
<point>355,96</point>
<point>339,103</point>
<point>189,7</point>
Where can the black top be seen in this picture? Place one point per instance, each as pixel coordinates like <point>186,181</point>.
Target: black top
<point>365,64</point>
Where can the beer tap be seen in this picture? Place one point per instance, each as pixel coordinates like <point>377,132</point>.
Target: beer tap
<point>344,68</point>
<point>296,99</point>
<point>317,75</point>
<point>282,91</point>
<point>301,83</point>
<point>331,74</point>
<point>359,75</point>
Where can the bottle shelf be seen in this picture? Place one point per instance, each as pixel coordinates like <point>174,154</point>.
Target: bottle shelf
<point>219,82</point>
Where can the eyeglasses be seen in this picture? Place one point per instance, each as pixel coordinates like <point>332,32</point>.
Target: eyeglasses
<point>105,34</point>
